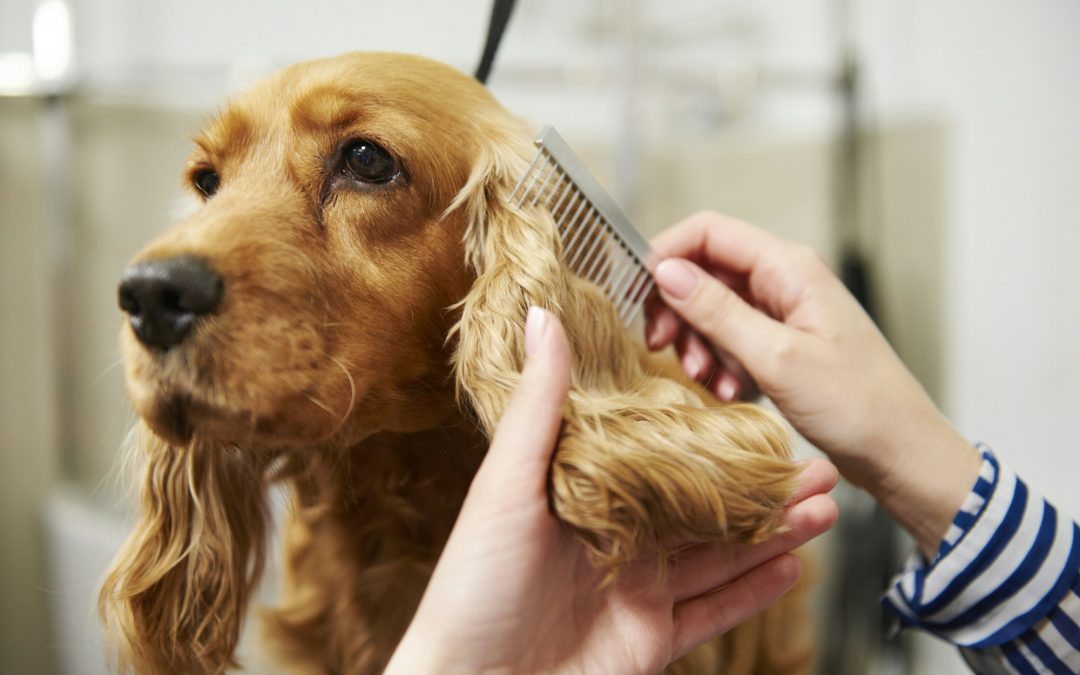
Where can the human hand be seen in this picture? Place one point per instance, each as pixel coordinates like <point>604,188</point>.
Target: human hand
<point>772,309</point>
<point>514,590</point>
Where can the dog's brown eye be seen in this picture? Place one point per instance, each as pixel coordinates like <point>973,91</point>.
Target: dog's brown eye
<point>206,181</point>
<point>370,163</point>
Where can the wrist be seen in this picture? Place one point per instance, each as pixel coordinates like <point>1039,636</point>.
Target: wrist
<point>426,649</point>
<point>417,654</point>
<point>923,478</point>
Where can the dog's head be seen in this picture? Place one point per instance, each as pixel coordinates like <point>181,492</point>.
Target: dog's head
<point>306,299</point>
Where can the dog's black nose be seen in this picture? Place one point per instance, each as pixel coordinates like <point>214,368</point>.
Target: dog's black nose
<point>164,298</point>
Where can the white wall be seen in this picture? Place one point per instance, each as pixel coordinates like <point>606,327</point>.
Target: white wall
<point>1005,76</point>
<point>28,419</point>
<point>1016,237</point>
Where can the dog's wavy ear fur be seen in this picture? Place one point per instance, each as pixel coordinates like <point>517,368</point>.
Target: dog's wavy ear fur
<point>176,596</point>
<point>644,460</point>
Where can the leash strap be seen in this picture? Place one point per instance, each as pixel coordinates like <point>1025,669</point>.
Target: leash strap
<point>500,16</point>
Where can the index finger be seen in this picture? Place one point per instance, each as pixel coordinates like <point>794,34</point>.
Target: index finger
<point>717,239</point>
<point>707,566</point>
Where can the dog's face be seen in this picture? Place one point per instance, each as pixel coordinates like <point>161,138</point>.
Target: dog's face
<point>307,297</point>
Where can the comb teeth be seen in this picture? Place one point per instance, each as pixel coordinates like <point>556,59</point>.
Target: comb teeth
<point>598,242</point>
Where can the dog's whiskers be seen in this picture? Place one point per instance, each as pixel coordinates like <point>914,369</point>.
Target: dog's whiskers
<point>253,424</point>
<point>352,393</point>
<point>322,406</point>
<point>107,369</point>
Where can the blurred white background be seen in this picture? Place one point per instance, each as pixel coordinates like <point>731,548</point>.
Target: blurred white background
<point>968,206</point>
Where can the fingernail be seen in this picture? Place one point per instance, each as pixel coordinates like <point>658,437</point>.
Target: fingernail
<point>693,366</point>
<point>677,277</point>
<point>653,335</point>
<point>726,389</point>
<point>535,324</point>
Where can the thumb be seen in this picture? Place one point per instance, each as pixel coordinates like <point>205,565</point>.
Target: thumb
<point>718,313</point>
<point>530,425</point>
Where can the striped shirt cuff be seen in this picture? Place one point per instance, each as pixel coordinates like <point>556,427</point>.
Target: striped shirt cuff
<point>1008,562</point>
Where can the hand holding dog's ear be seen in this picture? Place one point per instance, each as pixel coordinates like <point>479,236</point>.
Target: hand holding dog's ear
<point>514,587</point>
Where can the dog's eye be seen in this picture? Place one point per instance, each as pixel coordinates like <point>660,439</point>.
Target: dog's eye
<point>370,163</point>
<point>206,181</point>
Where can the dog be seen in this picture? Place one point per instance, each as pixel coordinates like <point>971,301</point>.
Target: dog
<point>344,313</point>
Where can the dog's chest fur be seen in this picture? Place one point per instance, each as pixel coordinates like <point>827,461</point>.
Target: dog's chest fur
<point>366,530</point>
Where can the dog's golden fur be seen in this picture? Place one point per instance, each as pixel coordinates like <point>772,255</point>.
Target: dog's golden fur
<point>365,346</point>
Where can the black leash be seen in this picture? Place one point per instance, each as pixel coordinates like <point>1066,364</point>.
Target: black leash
<point>500,16</point>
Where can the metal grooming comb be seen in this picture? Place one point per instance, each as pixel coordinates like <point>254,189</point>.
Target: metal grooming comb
<point>599,243</point>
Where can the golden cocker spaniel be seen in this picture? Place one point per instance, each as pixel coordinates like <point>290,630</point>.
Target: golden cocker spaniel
<point>344,312</point>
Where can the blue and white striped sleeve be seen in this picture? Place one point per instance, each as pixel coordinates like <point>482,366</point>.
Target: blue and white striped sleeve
<point>1005,584</point>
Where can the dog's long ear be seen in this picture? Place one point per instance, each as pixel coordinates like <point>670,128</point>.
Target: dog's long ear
<point>516,265</point>
<point>175,598</point>
<point>643,459</point>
